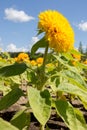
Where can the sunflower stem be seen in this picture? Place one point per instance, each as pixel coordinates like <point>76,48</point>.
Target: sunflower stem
<point>41,72</point>
<point>42,127</point>
<point>45,57</point>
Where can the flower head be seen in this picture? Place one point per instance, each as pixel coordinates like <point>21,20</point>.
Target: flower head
<point>33,62</point>
<point>58,31</point>
<point>85,62</point>
<point>76,55</point>
<point>39,60</point>
<point>22,57</point>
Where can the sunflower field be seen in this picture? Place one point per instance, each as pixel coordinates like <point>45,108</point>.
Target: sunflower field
<point>53,81</point>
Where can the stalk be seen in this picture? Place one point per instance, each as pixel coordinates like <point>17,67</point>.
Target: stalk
<point>42,127</point>
<point>45,56</point>
<point>41,71</point>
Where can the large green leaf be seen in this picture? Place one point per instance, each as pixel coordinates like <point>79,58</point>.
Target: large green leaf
<point>80,120</point>
<point>12,70</point>
<point>66,112</point>
<point>10,98</point>
<point>76,76</point>
<point>65,63</point>
<point>4,125</point>
<point>31,76</point>
<point>72,89</point>
<point>68,56</point>
<point>21,119</point>
<point>42,43</point>
<point>40,104</point>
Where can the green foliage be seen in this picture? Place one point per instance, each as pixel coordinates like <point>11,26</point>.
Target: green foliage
<point>42,43</point>
<point>81,123</point>
<point>40,104</point>
<point>65,110</point>
<point>73,118</point>
<point>80,47</point>
<point>4,125</point>
<point>12,70</point>
<point>21,119</point>
<point>72,89</point>
<point>48,86</point>
<point>10,98</point>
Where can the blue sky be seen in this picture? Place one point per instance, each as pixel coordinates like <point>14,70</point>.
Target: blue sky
<point>19,19</point>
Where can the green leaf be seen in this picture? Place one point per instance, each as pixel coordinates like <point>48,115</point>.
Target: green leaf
<point>12,70</point>
<point>68,56</point>
<point>63,62</point>
<point>84,104</point>
<point>76,76</point>
<point>31,76</point>
<point>15,79</point>
<point>4,125</point>
<point>10,98</point>
<point>74,82</point>
<point>40,104</point>
<point>54,82</point>
<point>76,52</point>
<point>72,89</point>
<point>42,43</point>
<point>21,119</point>
<point>47,128</point>
<point>81,65</point>
<point>66,112</point>
<point>80,120</point>
<point>39,32</point>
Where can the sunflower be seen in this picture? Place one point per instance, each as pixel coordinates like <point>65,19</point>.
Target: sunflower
<point>85,62</point>
<point>22,57</point>
<point>39,60</point>
<point>58,31</point>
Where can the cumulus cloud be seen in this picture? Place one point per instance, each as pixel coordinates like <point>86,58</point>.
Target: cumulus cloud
<point>83,26</point>
<point>13,48</point>
<point>35,39</point>
<point>17,16</point>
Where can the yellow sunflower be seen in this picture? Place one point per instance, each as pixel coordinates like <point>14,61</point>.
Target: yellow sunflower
<point>58,30</point>
<point>22,57</point>
<point>77,56</point>
<point>39,60</point>
<point>85,62</point>
<point>33,62</point>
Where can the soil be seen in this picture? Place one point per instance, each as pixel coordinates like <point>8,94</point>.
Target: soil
<point>54,123</point>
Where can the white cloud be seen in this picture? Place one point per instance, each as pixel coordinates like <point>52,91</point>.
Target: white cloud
<point>35,39</point>
<point>16,15</point>
<point>83,26</point>
<point>13,48</point>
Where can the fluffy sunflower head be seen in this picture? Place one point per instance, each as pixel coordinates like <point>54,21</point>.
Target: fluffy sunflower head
<point>22,57</point>
<point>39,60</point>
<point>85,62</point>
<point>58,31</point>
